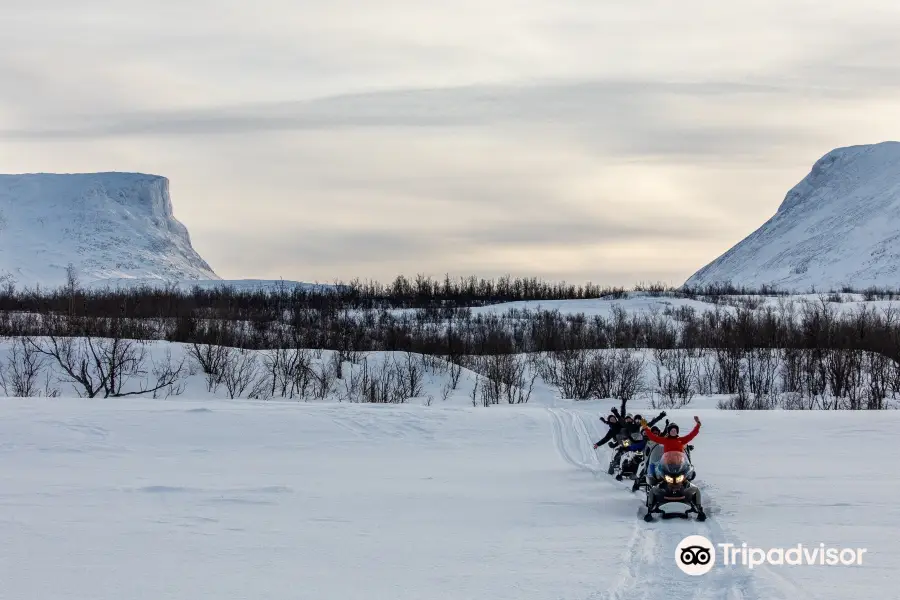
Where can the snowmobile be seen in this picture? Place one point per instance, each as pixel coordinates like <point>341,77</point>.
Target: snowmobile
<point>617,444</point>
<point>673,487</point>
<point>630,462</point>
<point>640,478</point>
<point>652,453</point>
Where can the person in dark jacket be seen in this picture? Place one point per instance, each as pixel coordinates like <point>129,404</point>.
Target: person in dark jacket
<point>636,437</point>
<point>615,428</point>
<point>648,448</point>
<point>615,422</point>
<point>636,427</point>
<point>628,429</point>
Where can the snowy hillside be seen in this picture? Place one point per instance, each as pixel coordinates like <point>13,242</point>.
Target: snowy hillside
<point>839,226</point>
<point>179,499</point>
<point>109,225</point>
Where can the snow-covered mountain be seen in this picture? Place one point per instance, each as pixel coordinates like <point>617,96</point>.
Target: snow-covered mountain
<point>108,225</point>
<point>839,226</point>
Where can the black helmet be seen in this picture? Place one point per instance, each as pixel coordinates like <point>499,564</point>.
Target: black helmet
<point>672,426</point>
<point>655,430</point>
<point>638,418</point>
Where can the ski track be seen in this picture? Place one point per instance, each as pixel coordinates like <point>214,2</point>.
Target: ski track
<point>649,568</point>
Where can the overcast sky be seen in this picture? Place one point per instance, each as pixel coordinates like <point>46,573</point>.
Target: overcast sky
<point>612,141</point>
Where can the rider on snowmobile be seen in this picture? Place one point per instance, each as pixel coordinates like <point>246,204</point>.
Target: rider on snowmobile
<point>615,428</point>
<point>636,441</point>
<point>649,445</point>
<point>636,432</point>
<point>639,442</point>
<point>670,442</point>
<point>615,423</point>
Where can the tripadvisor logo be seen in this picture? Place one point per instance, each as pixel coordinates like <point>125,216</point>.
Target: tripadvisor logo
<point>696,555</point>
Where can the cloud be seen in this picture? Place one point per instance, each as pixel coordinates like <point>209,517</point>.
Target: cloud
<point>593,103</point>
<point>614,119</point>
<point>626,141</point>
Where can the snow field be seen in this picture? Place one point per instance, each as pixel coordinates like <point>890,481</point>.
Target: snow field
<point>770,479</point>
<point>140,498</point>
<point>143,499</point>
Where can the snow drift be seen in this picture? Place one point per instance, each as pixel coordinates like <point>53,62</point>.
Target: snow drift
<point>840,226</point>
<point>108,225</point>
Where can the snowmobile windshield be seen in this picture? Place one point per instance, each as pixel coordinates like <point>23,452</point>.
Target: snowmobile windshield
<point>674,463</point>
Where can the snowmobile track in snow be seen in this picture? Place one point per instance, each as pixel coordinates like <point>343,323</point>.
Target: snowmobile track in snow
<point>649,568</point>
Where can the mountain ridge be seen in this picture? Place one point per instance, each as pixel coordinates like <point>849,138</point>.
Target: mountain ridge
<point>838,227</point>
<point>108,225</point>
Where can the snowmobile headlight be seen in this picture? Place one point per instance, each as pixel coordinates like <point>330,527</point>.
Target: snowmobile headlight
<point>625,443</point>
<point>679,479</point>
<point>670,479</point>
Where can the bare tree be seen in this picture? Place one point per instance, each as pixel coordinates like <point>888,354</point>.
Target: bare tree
<point>878,384</point>
<point>104,366</point>
<point>505,379</point>
<point>289,371</point>
<point>729,360</point>
<point>23,369</point>
<point>211,360</point>
<point>676,374</point>
<point>842,370</point>
<point>791,370</point>
<point>454,368</point>
<point>386,384</point>
<point>323,378</point>
<point>759,377</point>
<point>575,373</point>
<point>50,390</point>
<point>411,374</point>
<point>239,371</point>
<point>169,376</point>
<point>446,390</point>
<point>707,374</point>
<point>629,371</point>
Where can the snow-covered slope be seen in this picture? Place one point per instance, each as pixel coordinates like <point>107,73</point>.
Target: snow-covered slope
<point>108,225</point>
<point>839,226</point>
<point>115,500</point>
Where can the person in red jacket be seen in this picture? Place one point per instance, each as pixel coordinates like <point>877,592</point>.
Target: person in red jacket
<point>671,443</point>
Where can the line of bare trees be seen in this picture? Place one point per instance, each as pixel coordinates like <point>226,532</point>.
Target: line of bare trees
<point>808,354</point>
<point>806,325</point>
<point>168,301</point>
<point>766,378</point>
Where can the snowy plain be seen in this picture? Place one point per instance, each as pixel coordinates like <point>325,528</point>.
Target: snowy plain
<point>188,498</point>
<point>198,496</point>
